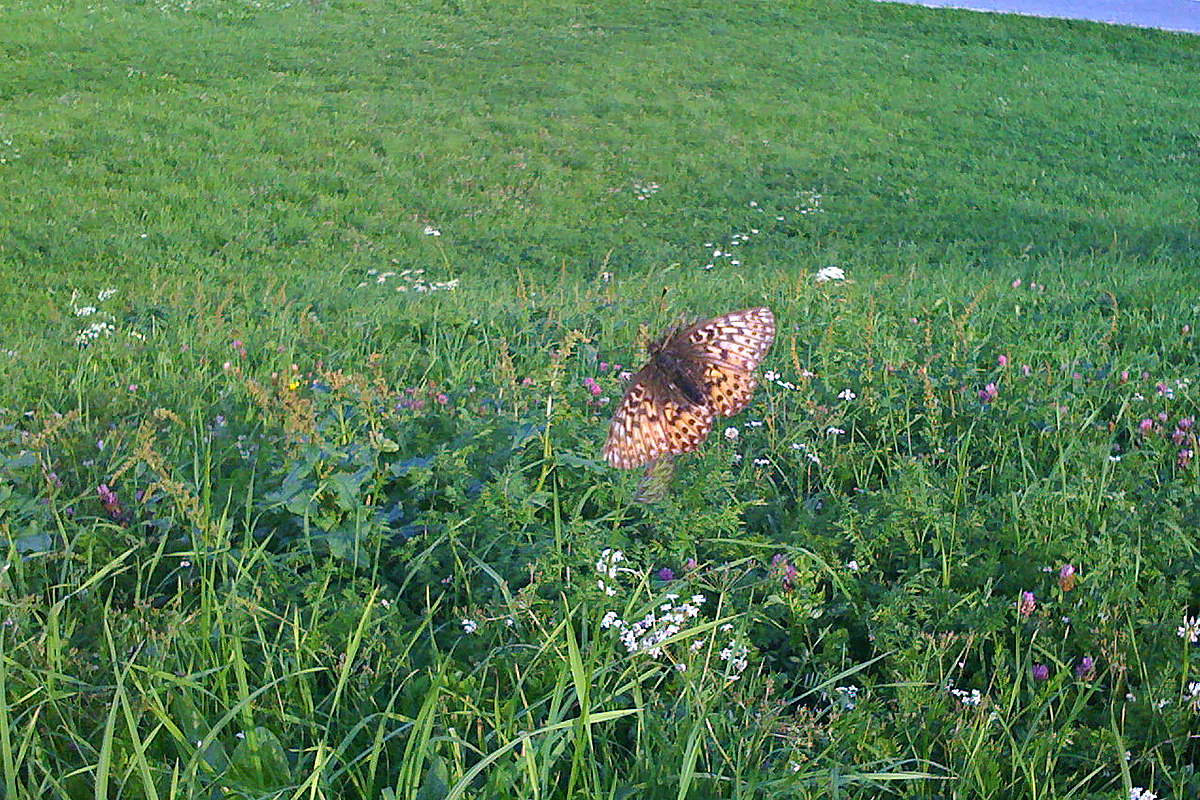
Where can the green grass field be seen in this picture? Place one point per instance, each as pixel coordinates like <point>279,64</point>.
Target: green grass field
<point>300,480</point>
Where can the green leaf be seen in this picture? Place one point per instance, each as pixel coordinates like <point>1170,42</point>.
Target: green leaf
<point>259,763</point>
<point>436,784</point>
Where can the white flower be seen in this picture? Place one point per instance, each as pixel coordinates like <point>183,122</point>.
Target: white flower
<point>432,231</point>
<point>1190,629</point>
<point>86,311</point>
<point>732,433</point>
<point>830,274</point>
<point>832,431</point>
<point>1138,793</point>
<point>761,462</point>
<point>470,625</point>
<point>105,294</point>
<point>771,375</point>
<point>852,566</point>
<point>611,619</point>
<point>846,394</point>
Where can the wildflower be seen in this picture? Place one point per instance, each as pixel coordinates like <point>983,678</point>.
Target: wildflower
<point>1027,604</point>
<point>1067,577</point>
<point>771,375</point>
<point>442,398</point>
<point>832,431</point>
<point>1137,793</point>
<point>988,393</point>
<point>611,619</point>
<point>666,574</point>
<point>1164,390</point>
<point>1085,670</point>
<point>847,395</point>
<point>111,503</point>
<point>1041,672</point>
<point>1192,696</point>
<point>690,564</point>
<point>1145,425</point>
<point>1016,284</point>
<point>470,626</point>
<point>105,294</point>
<point>784,570</point>
<point>1190,629</point>
<point>968,698</point>
<point>1026,370</point>
<point>852,566</point>
<point>830,273</point>
<point>1186,423</point>
<point>133,387</point>
<point>1124,376</point>
<point>432,231</point>
<point>1002,360</point>
<point>1184,458</point>
<point>762,462</point>
<point>732,433</point>
<point>603,366</point>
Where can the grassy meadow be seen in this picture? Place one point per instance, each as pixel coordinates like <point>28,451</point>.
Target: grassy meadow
<point>315,313</point>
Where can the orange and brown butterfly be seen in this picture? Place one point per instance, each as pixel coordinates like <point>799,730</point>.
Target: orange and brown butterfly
<point>695,373</point>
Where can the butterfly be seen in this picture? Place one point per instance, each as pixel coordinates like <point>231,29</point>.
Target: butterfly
<point>694,374</point>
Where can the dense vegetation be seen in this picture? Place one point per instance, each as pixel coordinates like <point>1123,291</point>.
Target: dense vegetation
<point>316,314</point>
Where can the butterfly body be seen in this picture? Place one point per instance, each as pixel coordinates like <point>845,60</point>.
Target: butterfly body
<point>693,374</point>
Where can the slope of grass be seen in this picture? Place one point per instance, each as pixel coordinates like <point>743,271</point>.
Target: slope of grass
<point>300,482</point>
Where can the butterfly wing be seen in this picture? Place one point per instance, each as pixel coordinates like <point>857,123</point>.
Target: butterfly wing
<point>730,348</point>
<point>652,421</point>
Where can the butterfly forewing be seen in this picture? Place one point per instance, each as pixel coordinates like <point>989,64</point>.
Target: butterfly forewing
<point>695,373</point>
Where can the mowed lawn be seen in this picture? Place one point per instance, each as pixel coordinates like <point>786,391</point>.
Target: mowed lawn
<point>314,316</point>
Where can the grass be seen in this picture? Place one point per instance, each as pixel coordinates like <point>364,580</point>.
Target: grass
<point>278,529</point>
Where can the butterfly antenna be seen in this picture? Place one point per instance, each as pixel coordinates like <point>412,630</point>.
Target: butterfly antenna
<point>655,485</point>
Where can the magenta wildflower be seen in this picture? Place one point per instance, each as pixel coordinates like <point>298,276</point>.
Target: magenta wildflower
<point>1124,376</point>
<point>690,564</point>
<point>604,366</point>
<point>1162,416</point>
<point>1027,604</point>
<point>1026,370</point>
<point>1067,577</point>
<point>1185,457</point>
<point>442,398</point>
<point>1146,424</point>
<point>1002,360</point>
<point>1186,423</point>
<point>590,384</point>
<point>988,393</point>
<point>1040,672</point>
<point>1085,670</point>
<point>666,574</point>
<point>1016,284</point>
<point>781,567</point>
<point>111,503</point>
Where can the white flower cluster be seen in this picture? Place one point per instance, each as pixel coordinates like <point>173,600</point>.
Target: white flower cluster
<point>87,335</point>
<point>830,274</point>
<point>848,695</point>
<point>410,280</point>
<point>607,567</point>
<point>967,698</point>
<point>648,634</point>
<point>735,654</point>
<point>643,191</point>
<point>1138,793</point>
